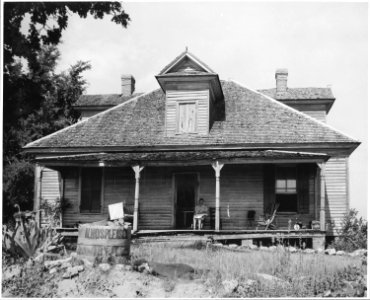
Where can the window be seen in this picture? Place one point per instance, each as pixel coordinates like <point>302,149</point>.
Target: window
<point>187,117</point>
<point>286,189</point>
<point>91,190</point>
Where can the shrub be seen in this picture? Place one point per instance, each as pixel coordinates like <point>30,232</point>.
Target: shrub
<point>353,234</point>
<point>18,181</point>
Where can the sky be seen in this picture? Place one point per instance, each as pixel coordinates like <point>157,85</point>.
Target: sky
<point>321,44</point>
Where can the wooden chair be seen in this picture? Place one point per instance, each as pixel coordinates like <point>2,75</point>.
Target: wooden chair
<point>268,223</point>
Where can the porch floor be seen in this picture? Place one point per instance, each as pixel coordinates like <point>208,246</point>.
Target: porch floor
<point>222,235</point>
<point>230,234</point>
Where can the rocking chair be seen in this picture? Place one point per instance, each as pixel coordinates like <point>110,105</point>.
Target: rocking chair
<point>268,223</point>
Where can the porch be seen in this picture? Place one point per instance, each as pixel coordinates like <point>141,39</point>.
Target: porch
<point>162,188</point>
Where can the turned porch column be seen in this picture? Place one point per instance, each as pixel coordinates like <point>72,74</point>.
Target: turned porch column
<point>217,167</point>
<point>322,196</point>
<point>137,169</point>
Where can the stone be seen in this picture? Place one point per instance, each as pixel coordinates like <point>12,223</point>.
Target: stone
<point>268,279</point>
<point>87,263</point>
<point>66,265</point>
<point>263,248</point>
<point>104,267</point>
<point>119,267</point>
<point>340,253</point>
<point>72,271</point>
<point>233,246</point>
<point>53,270</point>
<point>330,251</point>
<point>308,251</point>
<point>359,252</point>
<point>128,268</point>
<point>253,247</point>
<point>271,248</point>
<point>230,285</point>
<point>218,245</point>
<point>292,249</point>
<point>247,243</point>
<point>66,287</point>
<point>319,250</point>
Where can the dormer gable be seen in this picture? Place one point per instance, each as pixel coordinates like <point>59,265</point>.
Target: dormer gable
<point>194,97</point>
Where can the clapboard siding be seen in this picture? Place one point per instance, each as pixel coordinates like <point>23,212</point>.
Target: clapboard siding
<point>175,97</point>
<point>156,199</point>
<point>317,114</point>
<point>50,190</point>
<point>241,190</point>
<point>337,202</point>
<point>315,111</point>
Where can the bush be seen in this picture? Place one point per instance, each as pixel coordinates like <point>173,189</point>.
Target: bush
<point>353,235</point>
<point>18,184</point>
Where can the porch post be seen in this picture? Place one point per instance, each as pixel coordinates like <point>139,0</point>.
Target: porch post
<point>322,196</point>
<point>217,167</point>
<point>137,169</point>
<point>37,193</point>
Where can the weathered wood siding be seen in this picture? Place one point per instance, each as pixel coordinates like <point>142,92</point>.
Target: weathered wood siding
<point>199,97</point>
<point>315,111</point>
<point>119,184</point>
<point>337,200</point>
<point>241,187</point>
<point>50,190</point>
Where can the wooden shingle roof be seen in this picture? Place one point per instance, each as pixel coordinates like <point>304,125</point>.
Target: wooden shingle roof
<point>300,93</point>
<point>251,119</point>
<point>103,100</point>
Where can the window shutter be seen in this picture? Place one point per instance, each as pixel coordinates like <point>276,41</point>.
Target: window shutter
<point>268,188</point>
<point>91,190</point>
<point>303,172</point>
<point>187,117</point>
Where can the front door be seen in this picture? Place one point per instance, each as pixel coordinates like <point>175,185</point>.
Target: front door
<point>186,190</point>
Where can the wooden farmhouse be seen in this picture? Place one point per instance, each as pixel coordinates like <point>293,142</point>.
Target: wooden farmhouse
<point>242,150</point>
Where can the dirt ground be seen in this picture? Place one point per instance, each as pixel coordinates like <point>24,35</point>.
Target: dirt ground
<point>117,282</point>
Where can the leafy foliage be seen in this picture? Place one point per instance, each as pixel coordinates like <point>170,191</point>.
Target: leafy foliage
<point>37,101</point>
<point>353,235</point>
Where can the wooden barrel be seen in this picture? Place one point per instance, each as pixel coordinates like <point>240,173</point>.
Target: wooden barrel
<point>104,243</point>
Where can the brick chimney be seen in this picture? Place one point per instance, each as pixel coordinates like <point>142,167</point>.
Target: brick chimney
<point>127,85</point>
<point>281,76</point>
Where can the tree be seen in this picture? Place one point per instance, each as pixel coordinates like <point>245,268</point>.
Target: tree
<point>37,101</point>
<point>24,92</point>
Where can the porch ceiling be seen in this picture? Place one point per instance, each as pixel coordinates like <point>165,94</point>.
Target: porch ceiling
<point>183,157</point>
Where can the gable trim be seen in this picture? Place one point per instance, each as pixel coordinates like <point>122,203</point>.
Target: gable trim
<point>182,56</point>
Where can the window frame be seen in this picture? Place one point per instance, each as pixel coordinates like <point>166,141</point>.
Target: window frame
<point>102,179</point>
<point>287,193</point>
<point>178,104</point>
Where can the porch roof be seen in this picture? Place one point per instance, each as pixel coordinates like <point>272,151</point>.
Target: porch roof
<point>184,157</point>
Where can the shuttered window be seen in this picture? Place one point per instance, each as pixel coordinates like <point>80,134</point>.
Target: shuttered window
<point>286,189</point>
<point>186,117</point>
<point>91,190</point>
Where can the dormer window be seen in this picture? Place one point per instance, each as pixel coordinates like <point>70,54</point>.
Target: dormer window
<point>187,117</point>
<point>194,97</point>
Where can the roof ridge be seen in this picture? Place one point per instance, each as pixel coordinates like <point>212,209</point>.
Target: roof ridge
<point>296,111</point>
<point>89,118</point>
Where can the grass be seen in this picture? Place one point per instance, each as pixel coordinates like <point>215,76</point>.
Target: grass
<point>301,274</point>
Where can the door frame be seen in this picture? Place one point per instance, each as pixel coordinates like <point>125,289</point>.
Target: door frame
<point>174,192</point>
